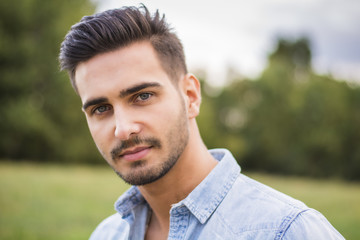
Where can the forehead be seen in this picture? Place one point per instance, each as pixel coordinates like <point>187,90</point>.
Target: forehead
<point>119,69</point>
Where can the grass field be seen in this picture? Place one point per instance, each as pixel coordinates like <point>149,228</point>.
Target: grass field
<point>67,202</point>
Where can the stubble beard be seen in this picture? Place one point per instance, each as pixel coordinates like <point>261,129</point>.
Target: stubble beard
<point>177,139</point>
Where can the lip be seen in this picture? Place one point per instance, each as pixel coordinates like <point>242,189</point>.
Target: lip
<point>135,154</point>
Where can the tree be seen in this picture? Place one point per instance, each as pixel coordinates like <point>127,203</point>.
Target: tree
<point>290,120</point>
<point>38,117</point>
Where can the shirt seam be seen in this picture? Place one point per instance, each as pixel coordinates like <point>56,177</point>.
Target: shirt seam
<point>285,225</point>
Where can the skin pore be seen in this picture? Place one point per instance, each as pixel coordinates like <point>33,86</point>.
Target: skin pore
<point>143,124</point>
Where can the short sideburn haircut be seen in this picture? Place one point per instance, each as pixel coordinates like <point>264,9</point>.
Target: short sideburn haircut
<point>117,28</point>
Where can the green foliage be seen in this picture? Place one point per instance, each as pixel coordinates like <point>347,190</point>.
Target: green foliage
<point>290,120</point>
<point>40,117</point>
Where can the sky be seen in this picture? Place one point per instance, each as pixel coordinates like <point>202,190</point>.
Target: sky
<point>240,34</point>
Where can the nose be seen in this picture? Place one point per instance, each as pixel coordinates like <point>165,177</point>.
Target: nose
<point>125,125</point>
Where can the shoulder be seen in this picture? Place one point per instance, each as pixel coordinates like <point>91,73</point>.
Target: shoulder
<point>113,227</point>
<point>253,209</point>
<point>256,203</point>
<point>310,224</point>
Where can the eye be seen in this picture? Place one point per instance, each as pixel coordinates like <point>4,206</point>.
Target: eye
<point>101,109</point>
<point>143,97</point>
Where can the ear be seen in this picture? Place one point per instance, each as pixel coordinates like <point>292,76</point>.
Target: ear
<point>192,92</point>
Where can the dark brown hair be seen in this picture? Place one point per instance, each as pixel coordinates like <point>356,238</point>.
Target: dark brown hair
<point>113,29</point>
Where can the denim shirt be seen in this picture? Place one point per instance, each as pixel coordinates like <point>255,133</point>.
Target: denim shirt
<point>225,205</point>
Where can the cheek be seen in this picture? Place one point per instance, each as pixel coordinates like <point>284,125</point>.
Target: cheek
<point>165,115</point>
<point>100,133</point>
<point>169,118</point>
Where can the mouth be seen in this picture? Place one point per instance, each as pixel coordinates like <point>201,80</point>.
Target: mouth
<point>135,154</point>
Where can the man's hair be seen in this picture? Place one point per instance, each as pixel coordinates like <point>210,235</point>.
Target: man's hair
<point>117,28</point>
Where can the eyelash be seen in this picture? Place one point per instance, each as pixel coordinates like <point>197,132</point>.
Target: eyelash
<point>94,111</point>
<point>137,97</point>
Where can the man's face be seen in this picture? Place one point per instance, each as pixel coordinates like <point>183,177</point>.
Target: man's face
<point>136,116</point>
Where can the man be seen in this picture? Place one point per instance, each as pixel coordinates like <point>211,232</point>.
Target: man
<point>140,103</point>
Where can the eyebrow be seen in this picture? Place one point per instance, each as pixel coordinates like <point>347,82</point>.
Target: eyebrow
<point>93,102</point>
<point>137,88</point>
<point>124,93</point>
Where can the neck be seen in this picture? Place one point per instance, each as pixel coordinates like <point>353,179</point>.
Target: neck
<point>192,167</point>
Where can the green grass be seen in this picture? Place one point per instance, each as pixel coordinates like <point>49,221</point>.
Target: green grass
<point>67,202</point>
<point>55,202</point>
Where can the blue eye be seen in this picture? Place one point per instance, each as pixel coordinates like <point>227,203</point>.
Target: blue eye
<point>101,109</point>
<point>143,96</point>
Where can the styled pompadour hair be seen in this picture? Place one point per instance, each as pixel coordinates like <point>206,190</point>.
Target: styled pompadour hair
<point>112,29</point>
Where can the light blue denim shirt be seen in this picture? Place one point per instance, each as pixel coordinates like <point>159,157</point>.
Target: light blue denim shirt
<point>225,205</point>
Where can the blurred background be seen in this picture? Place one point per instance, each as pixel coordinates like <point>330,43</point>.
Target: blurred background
<point>281,90</point>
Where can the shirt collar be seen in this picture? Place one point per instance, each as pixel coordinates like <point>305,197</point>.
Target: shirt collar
<point>128,201</point>
<point>207,196</point>
<point>204,199</point>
